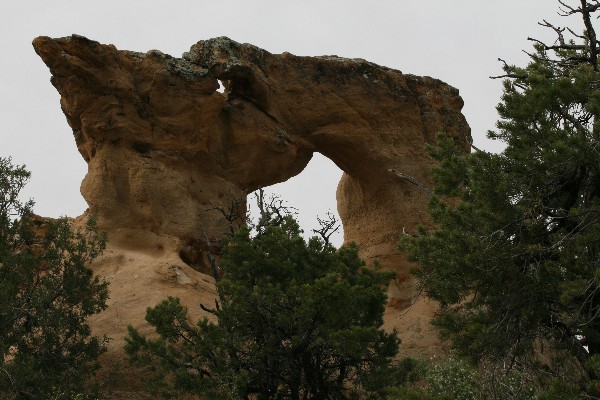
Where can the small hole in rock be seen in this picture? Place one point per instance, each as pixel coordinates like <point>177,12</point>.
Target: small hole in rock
<point>221,88</point>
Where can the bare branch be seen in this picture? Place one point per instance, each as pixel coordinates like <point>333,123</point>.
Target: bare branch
<point>575,34</point>
<point>272,211</point>
<point>209,310</point>
<point>412,180</point>
<point>511,76</point>
<point>559,31</point>
<point>587,9</point>
<point>567,13</point>
<point>234,212</point>
<point>507,67</point>
<point>328,226</point>
<point>475,148</point>
<point>562,46</point>
<point>590,8</point>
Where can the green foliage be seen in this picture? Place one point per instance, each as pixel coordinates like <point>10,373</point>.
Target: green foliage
<point>455,378</point>
<point>60,395</point>
<point>46,294</point>
<point>561,390</point>
<point>452,380</point>
<point>296,320</point>
<point>513,258</point>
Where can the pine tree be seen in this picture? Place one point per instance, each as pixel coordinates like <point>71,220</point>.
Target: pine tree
<point>46,294</point>
<point>514,255</point>
<point>295,320</point>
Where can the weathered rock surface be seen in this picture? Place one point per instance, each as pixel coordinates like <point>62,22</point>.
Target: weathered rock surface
<point>163,146</point>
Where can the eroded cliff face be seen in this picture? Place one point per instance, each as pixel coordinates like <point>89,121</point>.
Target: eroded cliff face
<point>163,146</point>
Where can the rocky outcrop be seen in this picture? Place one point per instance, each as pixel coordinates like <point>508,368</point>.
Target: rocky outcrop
<point>164,147</point>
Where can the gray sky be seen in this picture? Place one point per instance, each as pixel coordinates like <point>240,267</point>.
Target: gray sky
<point>457,41</point>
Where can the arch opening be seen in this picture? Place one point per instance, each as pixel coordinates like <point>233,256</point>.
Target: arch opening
<point>312,193</point>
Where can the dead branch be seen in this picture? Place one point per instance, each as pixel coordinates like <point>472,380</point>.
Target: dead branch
<point>568,7</point>
<point>412,180</point>
<point>234,212</point>
<point>476,148</point>
<point>212,259</point>
<point>272,211</point>
<point>328,226</point>
<point>591,33</point>
<point>559,31</point>
<point>584,53</point>
<point>563,46</point>
<point>511,76</point>
<point>209,310</point>
<point>572,32</point>
<point>507,67</point>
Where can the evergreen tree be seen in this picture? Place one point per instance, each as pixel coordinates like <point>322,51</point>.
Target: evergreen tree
<point>46,294</point>
<point>514,255</point>
<point>295,320</point>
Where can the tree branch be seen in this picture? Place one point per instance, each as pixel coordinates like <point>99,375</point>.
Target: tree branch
<point>507,68</point>
<point>327,227</point>
<point>559,47</point>
<point>412,180</point>
<point>591,33</point>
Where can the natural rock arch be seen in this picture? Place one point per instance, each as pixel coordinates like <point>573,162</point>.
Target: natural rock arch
<point>162,144</point>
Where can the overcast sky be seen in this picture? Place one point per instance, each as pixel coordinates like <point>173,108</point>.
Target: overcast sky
<point>457,41</point>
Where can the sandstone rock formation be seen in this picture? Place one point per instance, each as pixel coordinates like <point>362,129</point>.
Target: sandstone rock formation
<point>163,146</point>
